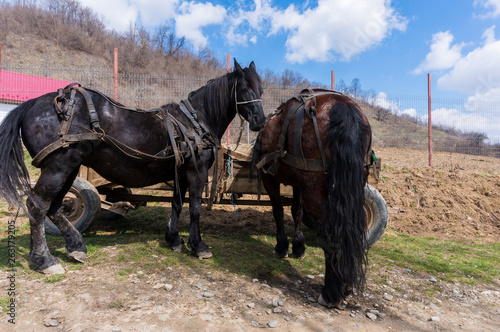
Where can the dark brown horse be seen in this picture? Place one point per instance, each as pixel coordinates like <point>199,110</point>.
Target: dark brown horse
<point>319,142</point>
<point>125,146</point>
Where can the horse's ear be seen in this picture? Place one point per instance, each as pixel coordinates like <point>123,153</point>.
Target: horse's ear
<point>237,66</point>
<point>252,67</point>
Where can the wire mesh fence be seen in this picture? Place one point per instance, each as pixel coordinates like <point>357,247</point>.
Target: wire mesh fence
<point>461,127</point>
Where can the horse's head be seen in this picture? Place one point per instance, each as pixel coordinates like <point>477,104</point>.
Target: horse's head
<point>247,93</point>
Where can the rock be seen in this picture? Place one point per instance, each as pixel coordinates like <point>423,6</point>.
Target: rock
<point>310,277</point>
<point>432,279</point>
<point>273,324</point>
<point>116,329</point>
<point>135,307</point>
<point>168,287</point>
<point>277,310</point>
<point>388,297</point>
<point>51,322</point>
<point>371,316</point>
<point>251,305</point>
<point>434,319</point>
<point>208,295</point>
<point>158,286</point>
<point>311,299</point>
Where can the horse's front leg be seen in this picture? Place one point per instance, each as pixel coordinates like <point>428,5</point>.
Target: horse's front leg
<point>273,190</point>
<point>172,235</point>
<point>196,184</point>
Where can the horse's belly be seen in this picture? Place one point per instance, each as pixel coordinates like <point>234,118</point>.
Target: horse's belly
<point>131,173</point>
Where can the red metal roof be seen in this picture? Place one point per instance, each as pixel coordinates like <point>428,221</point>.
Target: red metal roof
<point>21,87</point>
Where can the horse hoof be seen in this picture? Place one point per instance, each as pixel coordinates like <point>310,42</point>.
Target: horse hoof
<point>281,256</point>
<point>54,269</point>
<point>79,256</point>
<point>323,302</point>
<point>204,254</point>
<point>179,248</point>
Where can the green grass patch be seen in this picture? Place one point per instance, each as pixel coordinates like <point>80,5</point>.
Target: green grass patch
<point>54,278</point>
<point>448,260</point>
<point>137,244</point>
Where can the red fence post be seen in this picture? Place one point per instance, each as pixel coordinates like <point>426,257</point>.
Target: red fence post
<point>228,131</point>
<point>115,75</point>
<point>429,122</point>
<point>333,80</point>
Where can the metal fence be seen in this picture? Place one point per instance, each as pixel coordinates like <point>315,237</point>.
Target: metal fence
<point>397,121</point>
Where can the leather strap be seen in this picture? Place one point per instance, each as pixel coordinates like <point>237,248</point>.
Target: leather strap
<point>63,142</point>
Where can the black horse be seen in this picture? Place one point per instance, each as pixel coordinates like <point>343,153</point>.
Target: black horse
<point>130,147</point>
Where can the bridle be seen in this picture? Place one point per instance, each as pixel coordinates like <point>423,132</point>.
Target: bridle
<point>242,119</point>
<point>242,102</point>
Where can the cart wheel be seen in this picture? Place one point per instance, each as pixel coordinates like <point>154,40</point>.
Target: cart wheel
<point>81,207</point>
<point>376,215</point>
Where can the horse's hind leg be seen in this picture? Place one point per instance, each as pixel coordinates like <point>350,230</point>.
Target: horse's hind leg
<point>273,190</point>
<point>57,173</point>
<point>298,247</point>
<point>43,199</point>
<point>172,235</point>
<point>40,255</point>
<point>75,246</point>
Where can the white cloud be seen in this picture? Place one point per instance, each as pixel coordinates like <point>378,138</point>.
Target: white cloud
<point>119,14</point>
<point>244,24</point>
<point>468,122</point>
<point>192,17</point>
<point>381,100</point>
<point>477,72</point>
<point>410,112</point>
<point>492,5</point>
<point>442,55</point>
<point>339,27</point>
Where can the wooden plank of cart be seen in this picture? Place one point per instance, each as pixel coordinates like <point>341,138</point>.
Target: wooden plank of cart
<point>235,182</point>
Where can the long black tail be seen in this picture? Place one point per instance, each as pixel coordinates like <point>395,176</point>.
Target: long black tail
<point>348,137</point>
<point>14,177</point>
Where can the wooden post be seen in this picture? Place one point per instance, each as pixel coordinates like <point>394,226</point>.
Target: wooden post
<point>429,122</point>
<point>333,80</point>
<point>115,75</point>
<point>0,65</point>
<point>228,130</point>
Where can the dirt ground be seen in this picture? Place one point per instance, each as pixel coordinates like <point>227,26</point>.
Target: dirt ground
<point>446,203</point>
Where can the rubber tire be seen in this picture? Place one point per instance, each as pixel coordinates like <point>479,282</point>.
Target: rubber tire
<point>87,198</point>
<point>376,206</point>
<point>376,210</point>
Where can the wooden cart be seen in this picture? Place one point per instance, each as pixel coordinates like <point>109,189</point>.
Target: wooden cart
<point>92,196</point>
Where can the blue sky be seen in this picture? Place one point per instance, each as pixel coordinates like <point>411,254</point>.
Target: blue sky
<point>390,46</point>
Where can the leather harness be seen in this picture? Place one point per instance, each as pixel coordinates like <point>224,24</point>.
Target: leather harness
<point>305,104</point>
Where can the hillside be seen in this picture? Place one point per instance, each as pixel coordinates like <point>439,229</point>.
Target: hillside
<point>53,38</point>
